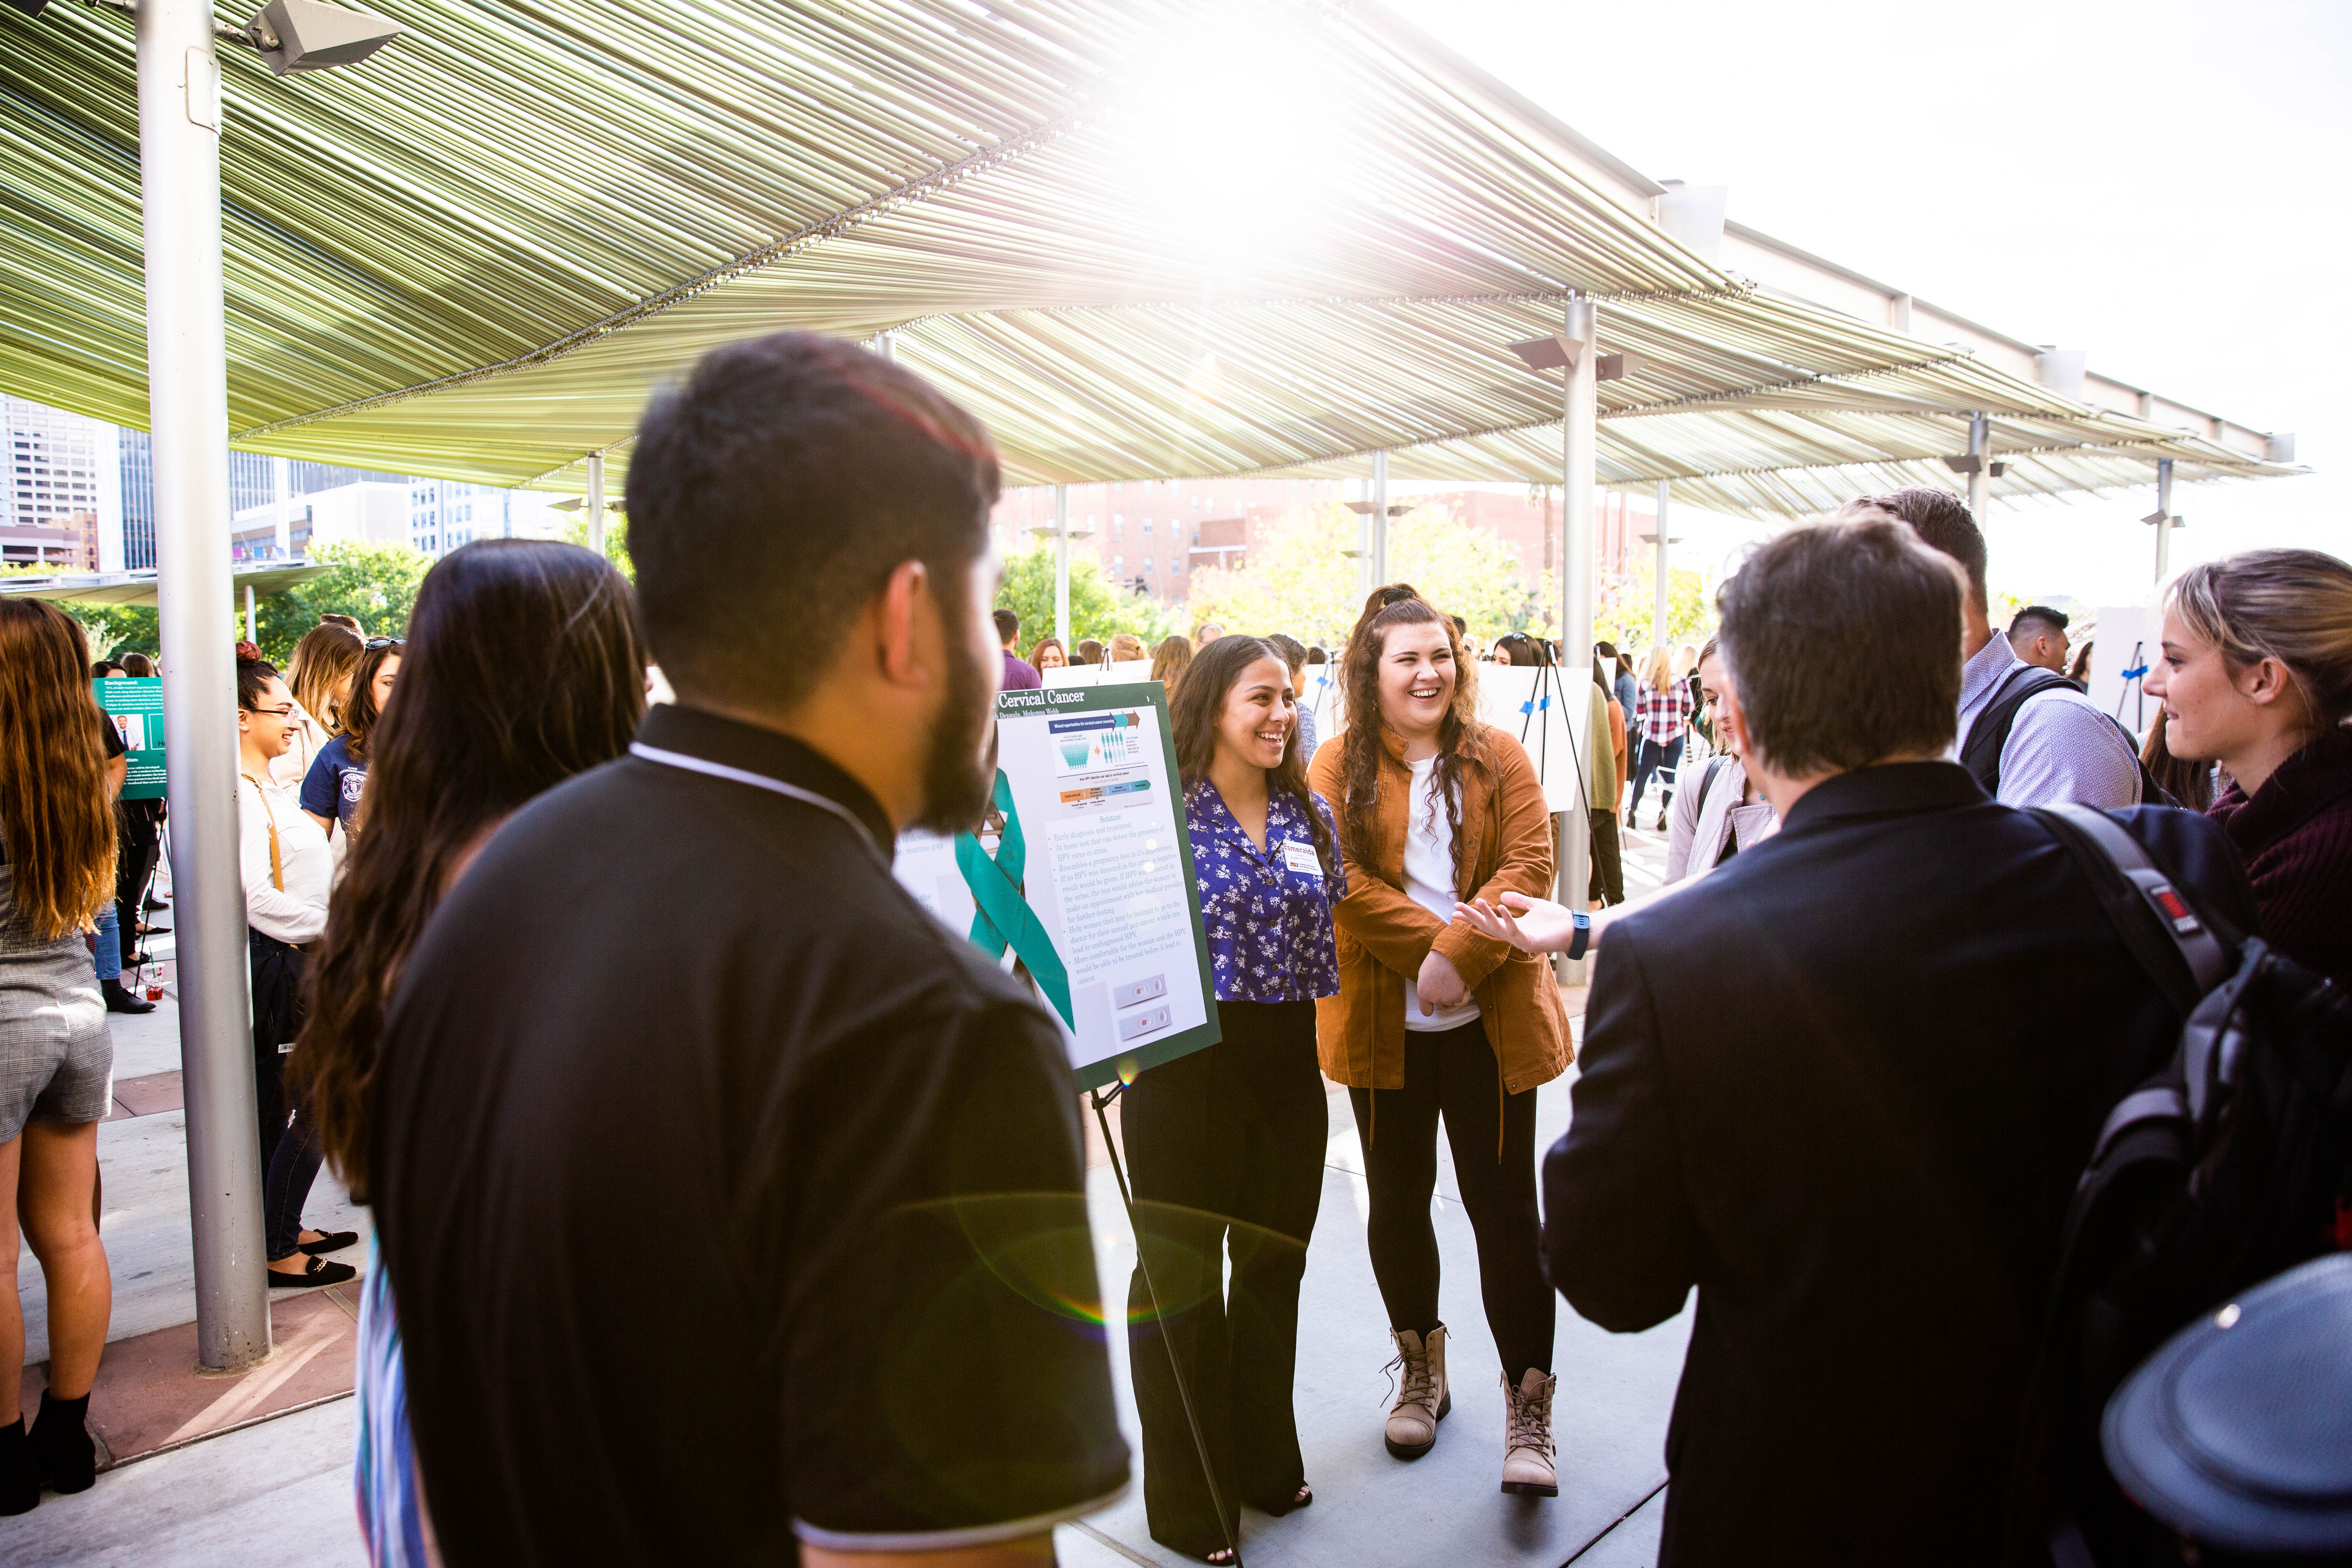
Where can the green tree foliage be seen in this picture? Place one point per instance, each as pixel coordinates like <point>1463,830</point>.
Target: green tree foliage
<point>1300,578</point>
<point>1690,617</point>
<point>111,630</point>
<point>616,538</point>
<point>1098,607</point>
<point>375,584</point>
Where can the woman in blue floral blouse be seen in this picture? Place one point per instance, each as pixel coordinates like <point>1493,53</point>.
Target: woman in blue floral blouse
<point>1225,1145</point>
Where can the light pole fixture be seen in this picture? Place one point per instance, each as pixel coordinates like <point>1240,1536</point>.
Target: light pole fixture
<point>1561,352</point>
<point>310,36</point>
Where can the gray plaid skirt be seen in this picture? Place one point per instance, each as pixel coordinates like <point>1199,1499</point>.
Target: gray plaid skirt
<point>56,1058</point>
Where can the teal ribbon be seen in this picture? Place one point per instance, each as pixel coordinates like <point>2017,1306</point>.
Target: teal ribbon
<point>1005,917</point>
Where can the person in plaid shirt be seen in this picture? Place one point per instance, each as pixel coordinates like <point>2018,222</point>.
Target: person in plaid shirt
<point>1662,700</point>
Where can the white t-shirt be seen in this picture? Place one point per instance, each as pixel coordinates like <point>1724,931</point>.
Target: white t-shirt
<point>1429,882</point>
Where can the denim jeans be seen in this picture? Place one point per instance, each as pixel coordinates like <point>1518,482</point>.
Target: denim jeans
<point>109,946</point>
<point>293,1166</point>
<point>1656,759</point>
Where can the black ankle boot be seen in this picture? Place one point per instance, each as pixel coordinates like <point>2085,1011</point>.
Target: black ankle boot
<point>60,1436</point>
<point>20,1472</point>
<point>119,1000</point>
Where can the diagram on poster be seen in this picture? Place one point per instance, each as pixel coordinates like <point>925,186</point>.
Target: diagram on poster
<point>1083,875</point>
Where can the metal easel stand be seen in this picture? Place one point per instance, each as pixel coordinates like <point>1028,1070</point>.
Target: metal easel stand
<point>1102,1102</point>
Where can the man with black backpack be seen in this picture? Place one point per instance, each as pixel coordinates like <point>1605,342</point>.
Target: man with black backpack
<point>2029,735</point>
<point>1846,1084</point>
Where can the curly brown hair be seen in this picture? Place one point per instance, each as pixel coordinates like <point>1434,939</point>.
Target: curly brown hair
<point>1460,736</point>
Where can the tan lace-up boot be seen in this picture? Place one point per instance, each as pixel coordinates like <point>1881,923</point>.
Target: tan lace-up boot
<point>1528,1465</point>
<point>1423,1399</point>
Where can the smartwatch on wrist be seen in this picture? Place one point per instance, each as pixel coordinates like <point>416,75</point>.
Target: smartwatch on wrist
<point>1583,938</point>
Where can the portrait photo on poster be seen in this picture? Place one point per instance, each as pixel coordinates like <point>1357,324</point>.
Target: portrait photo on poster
<point>1082,876</point>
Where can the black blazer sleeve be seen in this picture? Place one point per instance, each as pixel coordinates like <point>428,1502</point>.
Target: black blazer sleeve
<point>1620,1239</point>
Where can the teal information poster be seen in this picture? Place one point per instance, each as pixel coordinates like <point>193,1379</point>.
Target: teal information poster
<point>134,706</point>
<point>1083,873</point>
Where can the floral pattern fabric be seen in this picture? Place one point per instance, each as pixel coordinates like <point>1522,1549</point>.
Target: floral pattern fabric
<point>1268,923</point>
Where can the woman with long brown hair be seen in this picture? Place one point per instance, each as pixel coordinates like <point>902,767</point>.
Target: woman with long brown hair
<point>337,782</point>
<point>525,666</point>
<point>1168,662</point>
<point>57,1057</point>
<point>1225,1146</point>
<point>1435,1019</point>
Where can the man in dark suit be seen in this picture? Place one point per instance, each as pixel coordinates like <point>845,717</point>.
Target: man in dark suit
<point>1843,1085</point>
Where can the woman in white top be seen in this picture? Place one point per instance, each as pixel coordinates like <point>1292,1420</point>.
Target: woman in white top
<point>1720,813</point>
<point>320,675</point>
<point>288,869</point>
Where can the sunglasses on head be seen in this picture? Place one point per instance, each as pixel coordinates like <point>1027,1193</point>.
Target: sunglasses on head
<point>375,643</point>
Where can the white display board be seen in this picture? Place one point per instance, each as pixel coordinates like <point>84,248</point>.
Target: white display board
<point>1091,820</point>
<point>2125,639</point>
<point>1535,707</point>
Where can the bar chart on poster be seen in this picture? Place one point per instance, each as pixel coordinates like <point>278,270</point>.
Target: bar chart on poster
<point>1082,876</point>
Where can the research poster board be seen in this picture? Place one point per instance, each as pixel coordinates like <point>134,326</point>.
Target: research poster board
<point>134,706</point>
<point>2124,641</point>
<point>1084,874</point>
<point>1532,705</point>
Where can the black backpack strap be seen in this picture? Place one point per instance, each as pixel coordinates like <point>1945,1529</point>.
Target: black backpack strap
<point>1989,736</point>
<point>2168,937</point>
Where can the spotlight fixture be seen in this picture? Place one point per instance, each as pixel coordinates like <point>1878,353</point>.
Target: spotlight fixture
<point>1558,352</point>
<point>310,35</point>
<point>1969,462</point>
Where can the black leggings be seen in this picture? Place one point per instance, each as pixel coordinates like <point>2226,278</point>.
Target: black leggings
<point>1225,1149</point>
<point>1453,1073</point>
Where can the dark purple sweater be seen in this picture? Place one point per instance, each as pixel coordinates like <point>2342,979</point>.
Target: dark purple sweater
<point>2297,836</point>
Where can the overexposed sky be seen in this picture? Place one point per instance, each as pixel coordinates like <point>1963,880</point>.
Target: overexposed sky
<point>2166,185</point>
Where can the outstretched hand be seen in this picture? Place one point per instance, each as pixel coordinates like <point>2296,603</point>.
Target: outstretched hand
<point>1531,925</point>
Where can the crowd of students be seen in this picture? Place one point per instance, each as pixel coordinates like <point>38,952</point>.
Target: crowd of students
<point>1818,1076</point>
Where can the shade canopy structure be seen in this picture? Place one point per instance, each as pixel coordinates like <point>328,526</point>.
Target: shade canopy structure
<point>137,589</point>
<point>1139,238</point>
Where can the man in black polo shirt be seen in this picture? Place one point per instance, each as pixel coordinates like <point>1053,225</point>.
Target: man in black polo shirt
<point>733,1205</point>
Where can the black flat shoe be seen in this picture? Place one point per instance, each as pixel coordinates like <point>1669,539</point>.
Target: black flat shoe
<point>333,1241</point>
<point>118,1000</point>
<point>316,1273</point>
<point>1303,1497</point>
<point>61,1441</point>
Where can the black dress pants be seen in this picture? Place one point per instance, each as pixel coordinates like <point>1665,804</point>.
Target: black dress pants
<point>1225,1148</point>
<point>1453,1073</point>
<point>1608,880</point>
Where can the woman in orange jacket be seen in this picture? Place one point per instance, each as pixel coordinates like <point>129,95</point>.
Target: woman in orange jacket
<point>1435,1019</point>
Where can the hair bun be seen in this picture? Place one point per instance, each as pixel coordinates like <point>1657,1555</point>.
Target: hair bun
<point>247,653</point>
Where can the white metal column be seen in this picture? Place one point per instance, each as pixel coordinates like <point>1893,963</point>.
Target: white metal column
<point>2165,521</point>
<point>1981,475</point>
<point>1658,614</point>
<point>596,502</point>
<point>1380,543</point>
<point>252,621</point>
<point>1062,569</point>
<point>1580,436</point>
<point>187,396</point>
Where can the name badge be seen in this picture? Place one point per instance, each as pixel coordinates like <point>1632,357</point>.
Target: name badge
<point>1301,857</point>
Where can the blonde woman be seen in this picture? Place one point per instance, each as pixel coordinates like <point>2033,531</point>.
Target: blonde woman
<point>2255,673</point>
<point>321,681</point>
<point>1125,647</point>
<point>1663,703</point>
